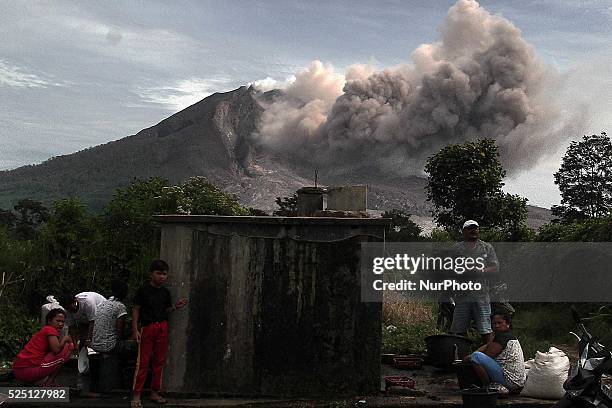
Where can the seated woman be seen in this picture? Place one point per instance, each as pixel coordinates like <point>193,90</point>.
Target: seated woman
<point>41,359</point>
<point>501,361</point>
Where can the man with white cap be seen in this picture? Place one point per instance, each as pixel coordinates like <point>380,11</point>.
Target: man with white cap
<point>475,305</point>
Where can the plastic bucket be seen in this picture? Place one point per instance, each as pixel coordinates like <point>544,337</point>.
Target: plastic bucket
<point>444,349</point>
<point>466,377</point>
<point>479,397</point>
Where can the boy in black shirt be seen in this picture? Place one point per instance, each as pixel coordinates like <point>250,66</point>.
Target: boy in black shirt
<point>152,304</point>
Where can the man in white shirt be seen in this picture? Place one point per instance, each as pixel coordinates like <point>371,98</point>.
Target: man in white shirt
<point>81,313</point>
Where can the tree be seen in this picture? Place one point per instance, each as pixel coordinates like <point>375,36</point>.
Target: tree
<point>31,214</point>
<point>8,219</point>
<point>202,197</point>
<point>131,236</point>
<point>69,250</point>
<point>287,206</point>
<point>402,228</point>
<point>465,182</point>
<point>256,212</point>
<point>585,179</point>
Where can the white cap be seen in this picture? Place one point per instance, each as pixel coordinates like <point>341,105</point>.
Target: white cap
<point>468,223</point>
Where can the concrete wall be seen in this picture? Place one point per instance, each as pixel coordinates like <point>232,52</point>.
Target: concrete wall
<point>274,306</point>
<point>347,198</point>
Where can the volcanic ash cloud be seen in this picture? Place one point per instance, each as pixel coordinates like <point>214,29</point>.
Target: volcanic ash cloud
<point>481,79</point>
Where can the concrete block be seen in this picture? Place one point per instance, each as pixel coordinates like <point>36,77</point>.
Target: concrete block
<point>347,198</point>
<point>275,306</point>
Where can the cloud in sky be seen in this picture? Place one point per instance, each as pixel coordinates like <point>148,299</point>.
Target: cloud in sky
<point>269,83</point>
<point>20,77</point>
<point>67,67</point>
<point>183,93</point>
<point>161,48</point>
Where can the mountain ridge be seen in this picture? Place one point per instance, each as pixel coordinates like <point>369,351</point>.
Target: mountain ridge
<point>211,138</point>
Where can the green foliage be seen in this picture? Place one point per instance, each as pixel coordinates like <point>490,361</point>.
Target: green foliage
<point>518,233</point>
<point>256,212</point>
<point>8,219</point>
<point>287,206</point>
<point>68,246</point>
<point>585,179</point>
<point>70,249</point>
<point>402,228</point>
<point>130,238</point>
<point>541,325</point>
<point>591,230</point>
<point>465,182</point>
<point>201,197</point>
<point>15,274</point>
<point>440,235</point>
<point>31,215</point>
<point>15,331</point>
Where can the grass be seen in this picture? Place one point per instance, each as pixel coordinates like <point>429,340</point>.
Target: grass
<point>406,324</point>
<point>399,312</point>
<point>538,326</point>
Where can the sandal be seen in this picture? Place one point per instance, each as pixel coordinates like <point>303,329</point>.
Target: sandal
<point>136,404</point>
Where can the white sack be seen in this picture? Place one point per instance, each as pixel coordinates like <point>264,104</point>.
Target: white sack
<point>546,375</point>
<point>47,307</point>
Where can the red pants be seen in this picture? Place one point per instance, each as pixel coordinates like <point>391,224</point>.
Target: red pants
<point>50,366</point>
<point>153,348</point>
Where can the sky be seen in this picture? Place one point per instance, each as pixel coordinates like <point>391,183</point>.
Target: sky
<point>78,74</point>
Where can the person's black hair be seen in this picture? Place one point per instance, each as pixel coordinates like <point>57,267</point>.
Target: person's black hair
<point>66,299</point>
<point>54,312</point>
<point>119,289</point>
<point>159,265</point>
<point>506,316</point>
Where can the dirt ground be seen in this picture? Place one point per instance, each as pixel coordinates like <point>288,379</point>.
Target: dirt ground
<point>434,388</point>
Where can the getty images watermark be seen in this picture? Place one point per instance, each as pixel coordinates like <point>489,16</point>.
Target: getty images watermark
<point>411,265</point>
<point>504,271</point>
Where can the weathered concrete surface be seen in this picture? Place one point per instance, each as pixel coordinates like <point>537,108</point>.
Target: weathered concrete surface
<point>274,306</point>
<point>310,200</point>
<point>351,198</point>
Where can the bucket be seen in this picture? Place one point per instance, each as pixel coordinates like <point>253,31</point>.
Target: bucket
<point>466,377</point>
<point>444,349</point>
<point>479,397</point>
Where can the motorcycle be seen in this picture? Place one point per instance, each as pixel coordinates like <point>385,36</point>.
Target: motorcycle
<point>590,381</point>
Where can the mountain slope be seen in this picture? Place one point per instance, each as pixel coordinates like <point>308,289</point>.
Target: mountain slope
<point>207,138</point>
<point>210,138</point>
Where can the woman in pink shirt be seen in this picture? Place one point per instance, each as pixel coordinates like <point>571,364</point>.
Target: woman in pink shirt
<point>41,359</point>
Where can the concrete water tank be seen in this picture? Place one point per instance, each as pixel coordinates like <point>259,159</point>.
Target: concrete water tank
<point>274,306</point>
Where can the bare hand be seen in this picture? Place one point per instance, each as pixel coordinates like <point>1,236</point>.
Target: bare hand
<point>467,359</point>
<point>136,336</point>
<point>181,303</point>
<point>67,339</point>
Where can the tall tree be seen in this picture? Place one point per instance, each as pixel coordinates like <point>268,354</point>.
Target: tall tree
<point>465,182</point>
<point>7,219</point>
<point>68,248</point>
<point>585,179</point>
<point>31,214</point>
